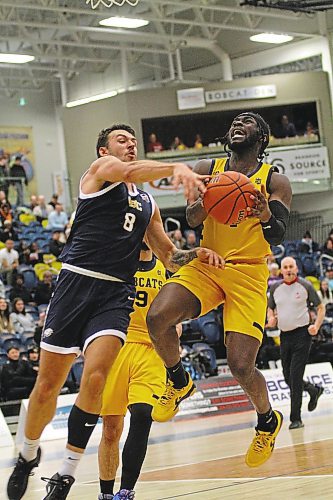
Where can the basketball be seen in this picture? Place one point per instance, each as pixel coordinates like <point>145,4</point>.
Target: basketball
<point>228,196</point>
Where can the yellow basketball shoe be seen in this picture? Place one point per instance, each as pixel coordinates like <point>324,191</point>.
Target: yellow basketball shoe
<point>262,445</point>
<point>168,404</point>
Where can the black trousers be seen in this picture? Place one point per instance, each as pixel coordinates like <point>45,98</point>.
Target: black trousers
<point>295,347</point>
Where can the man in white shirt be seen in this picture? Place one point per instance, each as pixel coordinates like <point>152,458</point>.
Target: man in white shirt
<point>58,218</point>
<point>9,260</point>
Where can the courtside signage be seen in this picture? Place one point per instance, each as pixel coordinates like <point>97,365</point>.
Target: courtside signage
<point>318,373</point>
<point>244,93</point>
<point>57,428</point>
<point>301,164</point>
<point>5,435</point>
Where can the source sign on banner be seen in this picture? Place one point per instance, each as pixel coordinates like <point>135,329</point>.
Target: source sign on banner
<point>302,163</point>
<point>318,373</point>
<point>258,92</point>
<point>191,98</point>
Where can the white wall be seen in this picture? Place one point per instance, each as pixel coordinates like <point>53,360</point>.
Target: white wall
<point>40,114</point>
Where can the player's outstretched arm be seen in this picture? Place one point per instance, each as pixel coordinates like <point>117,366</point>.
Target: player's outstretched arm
<point>195,212</point>
<point>110,168</point>
<point>169,255</point>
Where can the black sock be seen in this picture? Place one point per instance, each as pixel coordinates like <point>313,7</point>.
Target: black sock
<point>267,422</point>
<point>135,447</point>
<point>178,375</point>
<point>107,486</point>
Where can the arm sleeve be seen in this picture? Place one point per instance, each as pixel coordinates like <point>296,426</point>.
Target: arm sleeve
<point>313,297</point>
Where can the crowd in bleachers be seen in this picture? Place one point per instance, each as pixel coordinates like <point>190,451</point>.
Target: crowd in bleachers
<point>31,240</point>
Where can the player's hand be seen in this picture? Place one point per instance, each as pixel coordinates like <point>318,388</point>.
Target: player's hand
<point>271,323</point>
<point>261,208</point>
<point>313,330</point>
<point>190,180</point>
<point>210,257</point>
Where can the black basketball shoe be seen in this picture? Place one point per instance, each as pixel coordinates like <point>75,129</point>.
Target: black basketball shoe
<point>58,487</point>
<point>18,481</point>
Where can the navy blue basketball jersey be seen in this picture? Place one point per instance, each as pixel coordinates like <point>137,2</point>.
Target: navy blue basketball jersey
<point>108,229</point>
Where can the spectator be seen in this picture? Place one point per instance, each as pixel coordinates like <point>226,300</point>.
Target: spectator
<point>33,202</point>
<point>17,171</point>
<point>310,245</point>
<point>57,218</point>
<point>285,128</point>
<point>54,200</point>
<point>198,142</point>
<point>329,276</point>
<point>19,290</point>
<point>42,210</point>
<point>24,252</point>
<point>154,146</point>
<point>177,238</point>
<point>324,292</point>
<point>39,327</point>
<point>9,259</point>
<point>191,240</point>
<point>178,144</point>
<point>274,274</point>
<point>5,213</point>
<point>36,254</point>
<point>4,185</point>
<point>17,379</point>
<point>6,325</point>
<point>2,290</point>
<point>327,249</point>
<point>8,232</point>
<point>22,321</point>
<point>56,245</point>
<point>4,199</point>
<point>44,289</point>
<point>33,359</point>
<point>310,130</point>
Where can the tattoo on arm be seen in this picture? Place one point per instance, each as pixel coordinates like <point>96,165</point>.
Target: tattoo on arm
<point>181,257</point>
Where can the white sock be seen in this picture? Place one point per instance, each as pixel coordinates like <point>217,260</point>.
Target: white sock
<point>70,463</point>
<point>29,449</point>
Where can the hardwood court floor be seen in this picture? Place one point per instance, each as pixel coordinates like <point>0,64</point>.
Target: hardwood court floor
<point>204,458</point>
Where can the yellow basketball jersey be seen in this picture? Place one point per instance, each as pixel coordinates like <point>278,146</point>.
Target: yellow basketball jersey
<point>244,241</point>
<point>148,281</point>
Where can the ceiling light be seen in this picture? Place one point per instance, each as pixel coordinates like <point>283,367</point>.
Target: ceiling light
<point>124,22</point>
<point>15,58</point>
<point>270,38</point>
<point>92,98</point>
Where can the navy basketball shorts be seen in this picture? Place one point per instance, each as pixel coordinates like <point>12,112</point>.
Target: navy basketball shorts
<point>82,309</point>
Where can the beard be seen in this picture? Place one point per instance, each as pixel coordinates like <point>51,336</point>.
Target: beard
<point>246,144</point>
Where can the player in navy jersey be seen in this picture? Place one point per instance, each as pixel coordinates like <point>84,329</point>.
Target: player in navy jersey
<point>89,310</point>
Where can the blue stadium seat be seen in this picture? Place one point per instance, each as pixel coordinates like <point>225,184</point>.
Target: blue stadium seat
<point>14,341</point>
<point>30,278</point>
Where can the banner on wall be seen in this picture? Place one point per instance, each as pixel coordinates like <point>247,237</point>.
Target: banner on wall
<point>18,141</point>
<point>301,164</point>
<point>191,98</point>
<point>257,92</point>
<point>317,373</point>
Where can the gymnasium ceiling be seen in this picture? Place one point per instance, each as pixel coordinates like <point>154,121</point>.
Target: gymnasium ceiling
<point>66,40</point>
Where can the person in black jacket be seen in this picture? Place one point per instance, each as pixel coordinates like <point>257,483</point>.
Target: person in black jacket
<point>19,290</point>
<point>17,171</point>
<point>44,289</point>
<point>17,376</point>
<point>56,245</point>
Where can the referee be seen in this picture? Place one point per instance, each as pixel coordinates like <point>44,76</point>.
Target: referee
<point>288,306</point>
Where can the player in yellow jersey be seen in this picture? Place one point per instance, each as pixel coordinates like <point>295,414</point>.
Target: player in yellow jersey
<point>136,381</point>
<point>195,289</point>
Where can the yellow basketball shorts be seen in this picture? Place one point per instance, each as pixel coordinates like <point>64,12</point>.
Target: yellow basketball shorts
<point>241,286</point>
<point>137,376</point>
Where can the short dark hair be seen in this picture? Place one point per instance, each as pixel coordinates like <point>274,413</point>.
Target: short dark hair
<point>102,139</point>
